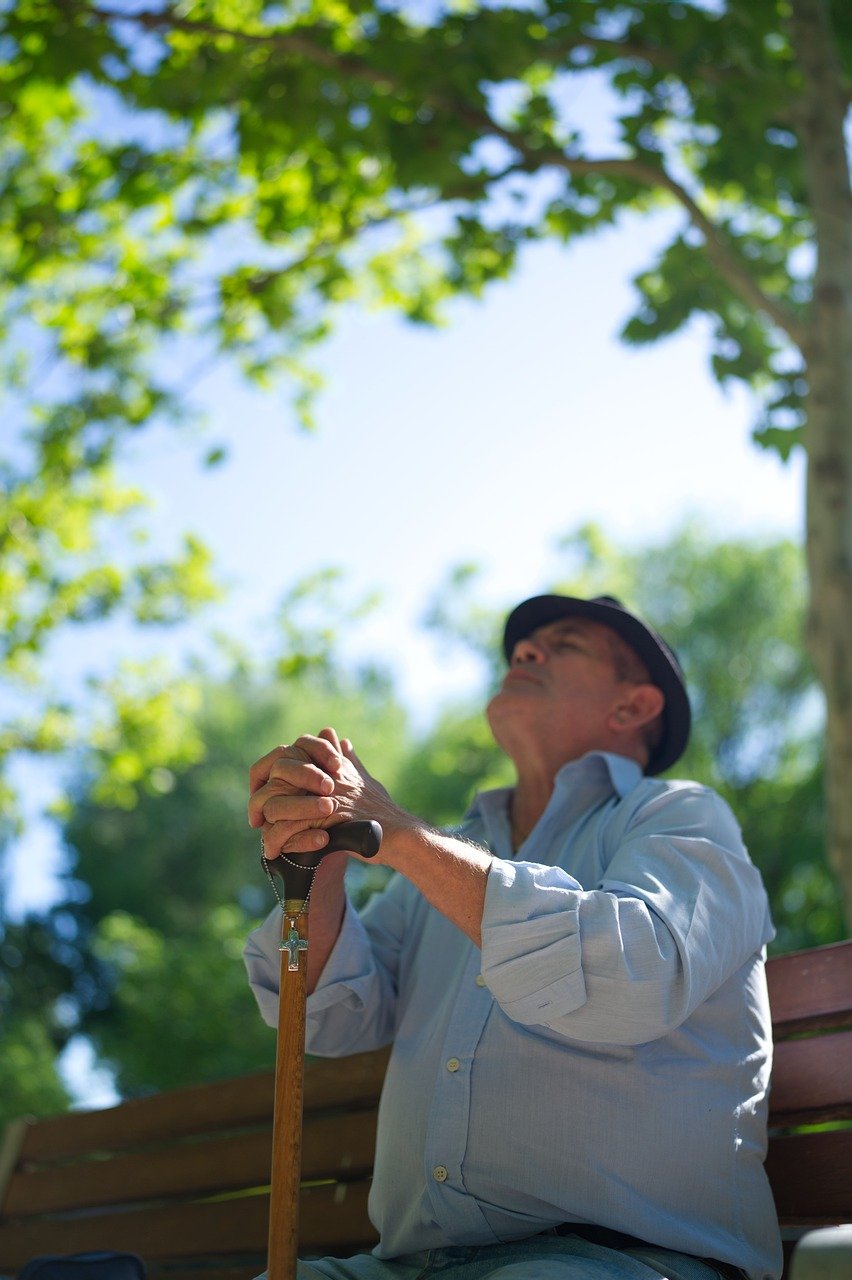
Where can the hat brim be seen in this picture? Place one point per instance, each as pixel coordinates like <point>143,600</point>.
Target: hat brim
<point>661,661</point>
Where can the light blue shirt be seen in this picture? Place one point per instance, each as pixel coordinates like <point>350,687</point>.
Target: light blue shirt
<point>604,1058</point>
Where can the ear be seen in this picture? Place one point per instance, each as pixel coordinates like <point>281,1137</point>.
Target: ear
<point>641,704</point>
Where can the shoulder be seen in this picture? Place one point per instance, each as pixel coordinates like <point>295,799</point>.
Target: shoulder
<point>680,806</point>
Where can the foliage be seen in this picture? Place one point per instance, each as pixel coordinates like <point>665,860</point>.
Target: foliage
<point>239,172</point>
<point>36,976</point>
<point>42,979</point>
<point>181,1011</point>
<point>442,771</point>
<point>65,566</point>
<point>229,176</point>
<point>30,1083</point>
<point>783,820</point>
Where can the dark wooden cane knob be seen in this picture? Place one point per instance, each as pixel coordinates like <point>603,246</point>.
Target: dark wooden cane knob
<point>297,869</point>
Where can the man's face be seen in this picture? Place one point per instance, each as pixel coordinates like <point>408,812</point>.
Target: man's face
<point>561,687</point>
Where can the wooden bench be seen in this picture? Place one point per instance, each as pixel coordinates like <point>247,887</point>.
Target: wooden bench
<point>181,1178</point>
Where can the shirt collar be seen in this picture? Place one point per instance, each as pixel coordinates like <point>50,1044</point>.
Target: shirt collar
<point>595,775</point>
<point>621,772</point>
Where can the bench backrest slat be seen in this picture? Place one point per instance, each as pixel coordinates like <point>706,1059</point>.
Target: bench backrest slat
<point>809,1086</point>
<point>168,1116</point>
<point>810,990</point>
<point>811,1176</point>
<point>180,1231</point>
<point>227,1104</point>
<point>188,1170</point>
<point>336,1145</point>
<point>810,995</point>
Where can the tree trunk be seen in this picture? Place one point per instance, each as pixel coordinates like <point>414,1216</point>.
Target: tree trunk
<point>820,115</point>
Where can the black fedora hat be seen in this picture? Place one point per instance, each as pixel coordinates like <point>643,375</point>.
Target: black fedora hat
<point>661,661</point>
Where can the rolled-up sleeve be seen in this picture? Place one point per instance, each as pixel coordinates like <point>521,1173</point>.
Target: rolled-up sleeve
<point>678,910</point>
<point>531,950</point>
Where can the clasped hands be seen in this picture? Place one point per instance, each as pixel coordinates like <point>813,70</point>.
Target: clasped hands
<point>298,790</point>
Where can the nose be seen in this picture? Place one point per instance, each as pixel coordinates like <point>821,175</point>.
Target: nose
<point>528,650</point>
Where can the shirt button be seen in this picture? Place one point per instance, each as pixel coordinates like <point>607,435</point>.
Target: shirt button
<point>439,1173</point>
<point>453,1064</point>
<point>480,981</point>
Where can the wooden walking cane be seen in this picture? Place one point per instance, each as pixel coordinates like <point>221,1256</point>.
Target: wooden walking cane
<point>297,876</point>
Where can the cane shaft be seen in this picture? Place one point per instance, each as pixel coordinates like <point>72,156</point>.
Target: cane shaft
<point>359,837</point>
<point>287,1123</point>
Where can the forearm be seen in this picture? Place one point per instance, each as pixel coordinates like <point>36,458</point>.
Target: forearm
<point>451,874</point>
<point>326,907</point>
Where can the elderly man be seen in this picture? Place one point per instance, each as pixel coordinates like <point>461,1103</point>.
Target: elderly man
<point>573,983</point>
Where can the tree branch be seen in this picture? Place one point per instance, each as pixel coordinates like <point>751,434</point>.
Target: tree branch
<point>154,20</point>
<point>730,266</point>
<point>287,42</point>
<point>633,51</point>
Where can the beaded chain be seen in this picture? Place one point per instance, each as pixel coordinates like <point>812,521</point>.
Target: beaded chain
<point>293,943</point>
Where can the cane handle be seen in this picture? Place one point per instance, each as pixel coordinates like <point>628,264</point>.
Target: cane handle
<point>297,869</point>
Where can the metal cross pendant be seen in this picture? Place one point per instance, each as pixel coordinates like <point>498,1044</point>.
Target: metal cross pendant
<point>293,945</point>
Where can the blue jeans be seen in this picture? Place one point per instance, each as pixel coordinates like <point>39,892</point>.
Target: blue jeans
<point>543,1257</point>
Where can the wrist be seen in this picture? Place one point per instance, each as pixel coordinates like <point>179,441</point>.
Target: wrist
<point>403,837</point>
<point>329,875</point>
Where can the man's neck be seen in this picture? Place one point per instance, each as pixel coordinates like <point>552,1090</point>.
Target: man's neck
<point>528,802</point>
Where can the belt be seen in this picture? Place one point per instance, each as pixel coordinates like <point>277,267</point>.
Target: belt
<point>611,1239</point>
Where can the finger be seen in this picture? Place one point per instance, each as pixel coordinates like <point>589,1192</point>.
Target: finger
<point>306,748</point>
<point>280,837</point>
<point>259,771</point>
<point>321,751</point>
<point>291,774</point>
<point>279,762</point>
<point>287,776</point>
<point>292,804</point>
<point>315,809</point>
<point>330,735</point>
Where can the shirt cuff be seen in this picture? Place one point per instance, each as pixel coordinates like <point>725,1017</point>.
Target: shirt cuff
<point>531,952</point>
